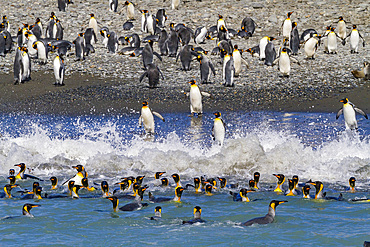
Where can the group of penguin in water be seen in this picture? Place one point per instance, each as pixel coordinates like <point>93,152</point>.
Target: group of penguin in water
<point>32,43</point>
<point>131,188</point>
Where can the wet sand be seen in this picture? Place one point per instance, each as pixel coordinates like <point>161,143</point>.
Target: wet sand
<point>86,94</point>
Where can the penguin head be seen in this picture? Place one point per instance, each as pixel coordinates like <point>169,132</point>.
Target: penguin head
<point>196,183</point>
<point>4,17</point>
<point>209,189</point>
<point>252,183</point>
<point>178,192</point>
<point>289,14</point>
<point>145,103</point>
<point>38,20</point>
<point>34,46</point>
<point>158,174</point>
<point>11,172</point>
<point>223,182</point>
<point>8,189</point>
<point>328,28</point>
<point>284,50</point>
<point>126,38</point>
<point>124,184</point>
<point>79,168</point>
<point>197,212</point>
<point>172,25</point>
<point>295,180</point>
<point>281,178</point>
<point>318,186</point>
<point>235,47</point>
<point>352,182</point>
<point>92,15</point>
<point>291,184</point>
<point>70,185</point>
<point>127,3</point>
<point>217,114</point>
<point>332,29</point>
<point>223,28</point>
<point>176,177</point>
<point>306,190</point>
<point>35,185</point>
<point>354,26</point>
<point>340,18</point>
<point>38,191</point>
<point>114,201</point>
<point>151,42</point>
<point>21,165</point>
<point>141,191</point>
<point>158,209</point>
<point>12,180</point>
<point>54,182</point>
<point>164,182</point>
<point>256,177</point>
<point>192,82</point>
<point>294,24</point>
<point>271,38</point>
<point>27,208</point>
<point>139,179</point>
<point>220,16</point>
<point>275,203</point>
<point>85,182</point>
<point>344,101</point>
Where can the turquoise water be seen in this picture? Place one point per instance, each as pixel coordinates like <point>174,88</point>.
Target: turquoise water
<point>311,145</point>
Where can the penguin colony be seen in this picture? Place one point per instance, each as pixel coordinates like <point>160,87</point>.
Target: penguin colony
<point>34,43</point>
<point>132,189</point>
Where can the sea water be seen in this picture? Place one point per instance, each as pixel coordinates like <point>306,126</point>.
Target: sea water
<point>313,146</point>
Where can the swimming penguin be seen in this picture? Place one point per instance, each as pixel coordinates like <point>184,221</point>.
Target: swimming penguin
<point>281,180</point>
<point>248,25</point>
<point>200,35</point>
<point>349,112</point>
<point>284,62</point>
<point>158,175</point>
<point>352,183</point>
<point>197,217</point>
<point>148,54</point>
<point>342,32</point>
<point>206,68</point>
<point>12,179</point>
<point>54,182</point>
<point>310,46</point>
<point>186,56</point>
<point>161,17</point>
<point>137,205</point>
<point>291,189</point>
<point>85,184</point>
<point>130,10</point>
<point>59,70</point>
<point>256,178</point>
<point>112,44</point>
<point>26,64</point>
<point>22,175</point>
<point>42,51</point>
<point>151,24</point>
<point>113,5</point>
<point>139,180</point>
<point>319,189</point>
<point>81,173</point>
<point>268,218</point>
<point>241,196</point>
<point>306,191</point>
<point>196,99</point>
<point>177,198</point>
<point>287,26</point>
<point>223,182</point>
<point>252,184</point>
<point>157,213</point>
<point>363,73</point>
<point>146,117</point>
<point>270,54</point>
<point>229,71</point>
<point>218,129</point>
<point>164,182</point>
<point>176,178</point>
<point>26,209</point>
<point>263,43</point>
<point>197,184</point>
<point>354,37</point>
<point>153,73</point>
<point>79,43</point>
<point>105,189</point>
<point>208,190</point>
<point>294,39</point>
<point>8,191</point>
<point>172,41</point>
<point>18,66</point>
<point>74,192</point>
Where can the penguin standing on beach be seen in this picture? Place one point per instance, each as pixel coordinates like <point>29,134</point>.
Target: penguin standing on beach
<point>153,73</point>
<point>354,38</point>
<point>219,129</point>
<point>229,71</point>
<point>238,60</point>
<point>349,112</point>
<point>144,15</point>
<point>112,42</point>
<point>325,38</point>
<point>196,99</point>
<point>175,4</point>
<point>26,64</point>
<point>94,25</point>
<point>30,40</point>
<point>206,68</point>
<point>146,118</point>
<point>310,46</point>
<point>200,35</point>
<point>186,56</point>
<point>90,39</point>
<point>161,17</point>
<point>172,41</point>
<point>270,53</point>
<point>113,5</point>
<point>287,26</point>
<point>148,54</point>
<point>162,44</point>
<point>79,43</point>
<point>59,71</point>
<point>284,62</point>
<point>42,52</point>
<point>294,39</point>
<point>332,41</point>
<point>263,43</point>
<point>248,25</point>
<point>342,32</point>
<point>130,10</point>
<point>50,26</point>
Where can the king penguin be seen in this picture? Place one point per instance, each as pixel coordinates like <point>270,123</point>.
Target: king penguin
<point>59,71</point>
<point>146,117</point>
<point>197,217</point>
<point>26,209</point>
<point>268,218</point>
<point>130,10</point>
<point>79,43</point>
<point>42,52</point>
<point>284,62</point>
<point>354,38</point>
<point>196,99</point>
<point>294,39</point>
<point>349,112</point>
<point>218,129</point>
<point>94,25</point>
<point>342,32</point>
<point>310,46</point>
<point>153,73</point>
<point>287,26</point>
<point>206,68</point>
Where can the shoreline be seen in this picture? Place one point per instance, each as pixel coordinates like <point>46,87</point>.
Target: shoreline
<point>90,95</point>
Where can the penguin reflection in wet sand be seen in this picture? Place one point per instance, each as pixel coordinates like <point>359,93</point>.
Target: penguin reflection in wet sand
<point>219,129</point>
<point>59,71</point>
<point>196,99</point>
<point>197,217</point>
<point>147,118</point>
<point>349,112</point>
<point>268,218</point>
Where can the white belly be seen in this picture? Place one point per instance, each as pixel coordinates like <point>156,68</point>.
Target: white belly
<point>287,27</point>
<point>349,116</point>
<point>219,131</point>
<point>284,63</point>
<point>148,120</point>
<point>195,100</point>
<point>355,39</point>
<point>309,47</point>
<point>237,62</point>
<point>263,44</point>
<point>332,42</point>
